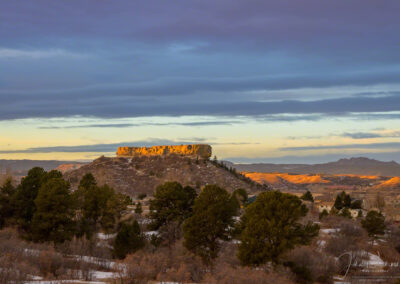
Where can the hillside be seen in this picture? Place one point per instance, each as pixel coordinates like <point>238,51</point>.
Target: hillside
<point>356,166</point>
<point>391,183</point>
<point>142,174</point>
<point>276,178</point>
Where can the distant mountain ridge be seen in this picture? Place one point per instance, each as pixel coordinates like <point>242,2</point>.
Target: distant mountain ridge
<point>356,166</point>
<point>21,167</point>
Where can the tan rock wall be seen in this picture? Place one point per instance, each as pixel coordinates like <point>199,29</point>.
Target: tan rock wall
<point>194,150</point>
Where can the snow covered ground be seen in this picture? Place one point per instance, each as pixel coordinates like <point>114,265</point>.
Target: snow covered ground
<point>329,231</point>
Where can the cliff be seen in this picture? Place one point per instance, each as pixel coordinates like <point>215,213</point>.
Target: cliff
<point>194,150</point>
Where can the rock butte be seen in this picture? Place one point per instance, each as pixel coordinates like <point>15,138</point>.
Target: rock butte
<point>193,150</point>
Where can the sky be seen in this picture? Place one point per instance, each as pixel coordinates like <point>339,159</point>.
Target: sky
<point>281,81</point>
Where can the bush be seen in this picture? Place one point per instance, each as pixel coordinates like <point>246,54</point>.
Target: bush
<point>311,266</point>
<point>142,196</point>
<point>227,274</point>
<point>174,264</point>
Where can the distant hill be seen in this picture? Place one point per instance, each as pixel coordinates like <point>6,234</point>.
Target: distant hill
<point>391,183</point>
<point>20,168</point>
<point>356,166</point>
<point>142,174</point>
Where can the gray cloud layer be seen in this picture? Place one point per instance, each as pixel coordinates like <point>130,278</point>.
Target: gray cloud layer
<point>110,108</point>
<point>144,58</point>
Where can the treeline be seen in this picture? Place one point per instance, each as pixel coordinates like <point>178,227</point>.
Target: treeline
<point>268,228</point>
<point>44,209</point>
<point>233,171</point>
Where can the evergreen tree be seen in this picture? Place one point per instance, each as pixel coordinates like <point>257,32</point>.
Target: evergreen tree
<point>23,199</point>
<point>212,217</point>
<point>128,240</point>
<point>374,223</point>
<point>6,208</point>
<point>142,196</point>
<point>138,209</point>
<point>241,196</point>
<point>50,175</point>
<point>346,200</point>
<point>87,182</point>
<point>271,227</point>
<point>342,200</point>
<point>307,196</point>
<point>338,202</point>
<point>323,214</point>
<point>171,203</point>
<point>115,204</point>
<point>53,218</point>
<point>97,205</point>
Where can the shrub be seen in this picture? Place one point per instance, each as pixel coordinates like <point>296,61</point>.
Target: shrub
<point>311,266</point>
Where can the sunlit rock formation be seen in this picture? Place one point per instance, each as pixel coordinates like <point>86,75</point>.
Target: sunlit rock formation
<point>194,150</point>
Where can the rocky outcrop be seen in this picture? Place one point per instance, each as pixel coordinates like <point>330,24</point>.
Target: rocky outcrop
<point>142,174</point>
<point>194,150</point>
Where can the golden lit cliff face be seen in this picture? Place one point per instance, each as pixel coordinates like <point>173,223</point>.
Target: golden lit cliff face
<point>194,150</point>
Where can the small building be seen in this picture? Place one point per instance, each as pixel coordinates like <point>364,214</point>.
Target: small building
<point>324,205</point>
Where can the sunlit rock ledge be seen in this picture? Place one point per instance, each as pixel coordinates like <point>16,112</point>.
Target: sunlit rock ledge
<point>193,150</point>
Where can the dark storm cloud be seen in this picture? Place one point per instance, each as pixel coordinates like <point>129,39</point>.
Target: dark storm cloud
<point>129,108</point>
<point>169,58</point>
<point>165,20</point>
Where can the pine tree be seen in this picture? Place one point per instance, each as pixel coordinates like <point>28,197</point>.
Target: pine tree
<point>323,214</point>
<point>307,196</point>
<point>171,203</point>
<point>271,227</point>
<point>128,240</point>
<point>346,200</point>
<point>53,218</point>
<point>241,196</point>
<point>374,223</point>
<point>138,209</point>
<point>23,199</point>
<point>97,205</point>
<point>212,217</point>
<point>338,202</point>
<point>342,200</point>
<point>6,208</point>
